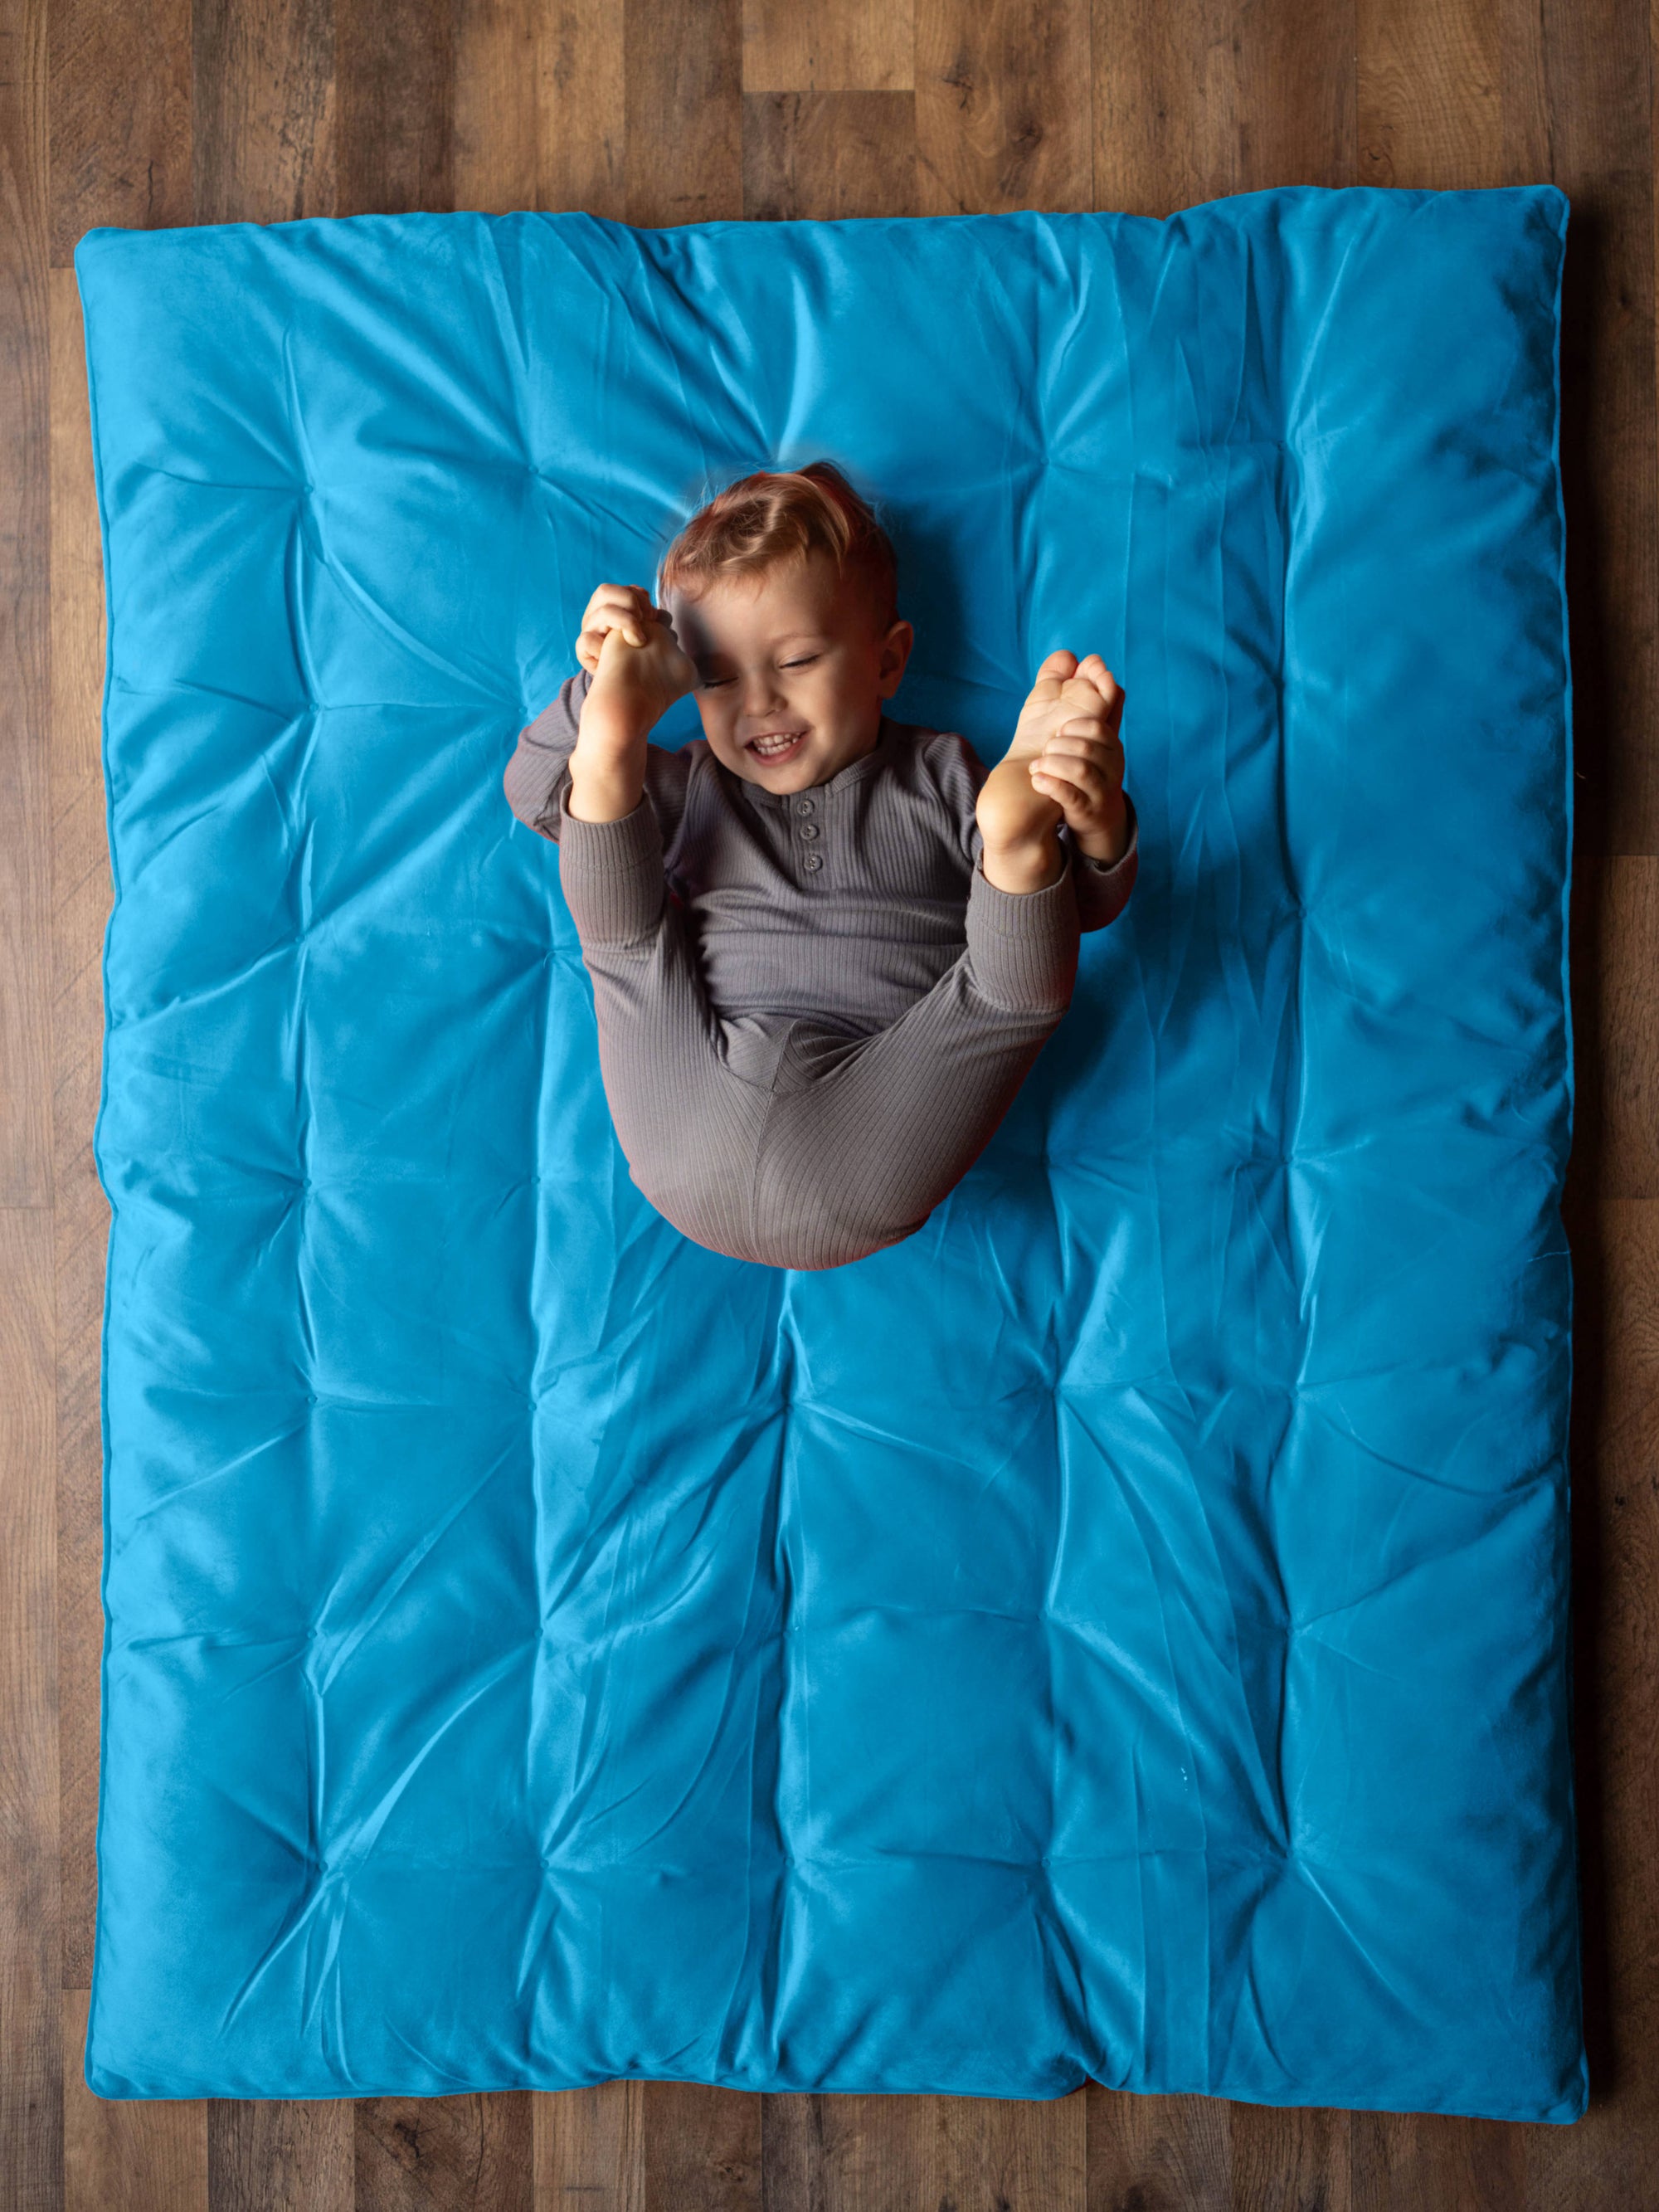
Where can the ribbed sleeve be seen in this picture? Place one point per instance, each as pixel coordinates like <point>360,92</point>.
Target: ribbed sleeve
<point>845,902</point>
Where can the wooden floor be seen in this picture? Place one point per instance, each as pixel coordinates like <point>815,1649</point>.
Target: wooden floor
<point>163,112</point>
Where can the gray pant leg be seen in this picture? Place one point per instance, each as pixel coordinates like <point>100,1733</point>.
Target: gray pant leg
<point>689,1126</point>
<point>847,1145</point>
<point>864,1140</point>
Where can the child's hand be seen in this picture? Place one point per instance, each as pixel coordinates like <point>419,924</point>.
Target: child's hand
<point>629,648</point>
<point>626,607</point>
<point>1067,734</point>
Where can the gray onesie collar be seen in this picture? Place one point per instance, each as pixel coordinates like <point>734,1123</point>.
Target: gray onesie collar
<point>879,756</point>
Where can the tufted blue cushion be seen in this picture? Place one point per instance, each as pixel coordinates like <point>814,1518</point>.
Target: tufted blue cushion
<point>1120,1630</point>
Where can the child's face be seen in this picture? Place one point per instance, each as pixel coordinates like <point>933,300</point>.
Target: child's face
<point>796,653</point>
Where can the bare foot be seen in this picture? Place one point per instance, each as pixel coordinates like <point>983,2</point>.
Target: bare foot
<point>1018,824</point>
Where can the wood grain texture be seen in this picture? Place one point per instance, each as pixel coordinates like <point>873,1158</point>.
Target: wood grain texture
<point>1193,103</point>
<point>120,99</point>
<point>684,113</point>
<point>416,2152</point>
<point>281,2155</point>
<point>855,2154</point>
<point>264,110</point>
<point>702,2149</point>
<point>126,2155</point>
<point>394,66</point>
<point>1003,107</point>
<point>708,110</point>
<point>25,617</point>
<point>81,895</point>
<point>31,2139</point>
<point>828,46</point>
<point>590,2147</point>
<point>828,154</point>
<point>1598,101</point>
<point>31,2142</point>
<point>540,106</point>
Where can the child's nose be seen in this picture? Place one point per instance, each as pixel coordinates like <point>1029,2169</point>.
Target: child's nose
<point>761,692</point>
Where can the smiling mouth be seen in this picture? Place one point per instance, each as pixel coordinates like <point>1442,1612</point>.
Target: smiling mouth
<point>777,745</point>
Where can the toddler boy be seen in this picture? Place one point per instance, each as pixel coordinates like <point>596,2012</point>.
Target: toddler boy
<point>825,947</point>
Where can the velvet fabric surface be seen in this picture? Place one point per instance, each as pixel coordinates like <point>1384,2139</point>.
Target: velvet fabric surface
<point>1120,1630</point>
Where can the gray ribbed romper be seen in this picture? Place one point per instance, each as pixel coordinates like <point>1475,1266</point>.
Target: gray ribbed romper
<point>813,1007</point>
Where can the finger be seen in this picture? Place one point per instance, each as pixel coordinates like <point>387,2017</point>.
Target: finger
<point>1058,783</point>
<point>1096,744</point>
<point>1060,663</point>
<point>624,606</point>
<point>1087,775</point>
<point>1095,763</point>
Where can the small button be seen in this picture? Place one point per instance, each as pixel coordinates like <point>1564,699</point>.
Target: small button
<point>813,860</point>
<point>803,806</point>
<point>809,829</point>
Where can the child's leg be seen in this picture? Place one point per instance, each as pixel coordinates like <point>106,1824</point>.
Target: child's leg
<point>687,1126</point>
<point>865,1138</point>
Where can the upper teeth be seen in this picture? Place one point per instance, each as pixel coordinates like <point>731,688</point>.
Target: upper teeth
<point>774,744</point>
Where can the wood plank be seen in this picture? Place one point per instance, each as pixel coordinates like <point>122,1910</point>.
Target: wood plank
<point>120,95</point>
<point>702,2149</point>
<point>82,894</point>
<point>1024,2154</point>
<point>829,45</point>
<point>828,154</point>
<point>31,2089</point>
<point>1291,2155</point>
<point>30,2142</point>
<point>684,109</point>
<point>1615,957</point>
<point>1159,2154</point>
<point>25,616</point>
<point>590,2147</point>
<point>1003,107</point>
<point>1597,88</point>
<point>264,107</point>
<point>466,2154</point>
<point>280,2154</point>
<point>850,2154</point>
<point>1430,108</point>
<point>394,106</point>
<point>540,106</point>
<point>1194,103</point>
<point>126,2155</point>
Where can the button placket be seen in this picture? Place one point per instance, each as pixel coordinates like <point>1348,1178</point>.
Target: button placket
<point>811,862</point>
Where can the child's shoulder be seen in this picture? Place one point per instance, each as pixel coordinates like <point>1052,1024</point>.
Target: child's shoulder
<point>941,759</point>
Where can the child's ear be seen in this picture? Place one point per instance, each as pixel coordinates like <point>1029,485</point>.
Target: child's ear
<point>895,652</point>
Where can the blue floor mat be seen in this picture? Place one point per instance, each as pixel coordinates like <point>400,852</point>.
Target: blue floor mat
<point>1120,1630</point>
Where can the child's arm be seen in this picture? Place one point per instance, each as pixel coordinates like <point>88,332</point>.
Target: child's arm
<point>537,780</point>
<point>638,685</point>
<point>1103,886</point>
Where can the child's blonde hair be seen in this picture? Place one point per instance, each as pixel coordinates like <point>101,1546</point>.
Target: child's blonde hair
<point>777,516</point>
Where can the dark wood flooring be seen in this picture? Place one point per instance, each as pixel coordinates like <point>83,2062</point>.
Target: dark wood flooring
<point>163,112</point>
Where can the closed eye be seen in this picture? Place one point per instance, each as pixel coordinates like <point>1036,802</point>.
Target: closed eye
<point>714,682</point>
